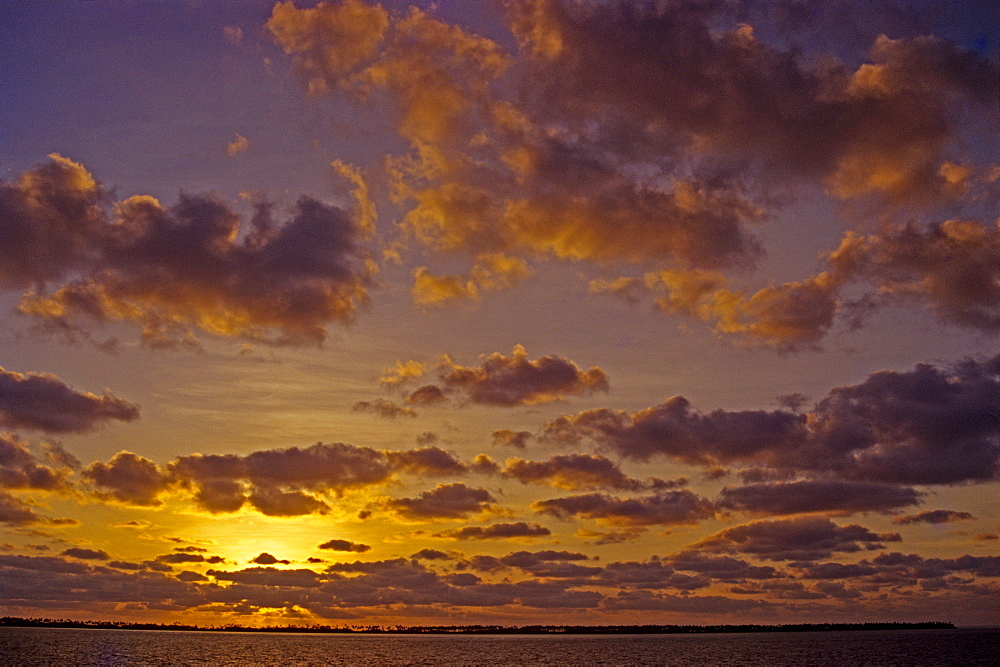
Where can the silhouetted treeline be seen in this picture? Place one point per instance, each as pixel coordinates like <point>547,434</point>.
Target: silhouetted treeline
<point>13,621</point>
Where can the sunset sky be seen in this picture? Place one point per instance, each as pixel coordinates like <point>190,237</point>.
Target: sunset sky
<point>518,312</point>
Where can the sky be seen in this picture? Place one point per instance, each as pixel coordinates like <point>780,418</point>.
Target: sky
<point>521,312</point>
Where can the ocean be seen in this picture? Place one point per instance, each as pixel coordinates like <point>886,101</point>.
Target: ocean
<point>47,646</point>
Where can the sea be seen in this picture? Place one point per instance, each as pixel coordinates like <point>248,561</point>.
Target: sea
<point>59,646</point>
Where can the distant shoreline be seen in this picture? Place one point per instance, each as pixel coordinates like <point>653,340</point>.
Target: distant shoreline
<point>12,621</point>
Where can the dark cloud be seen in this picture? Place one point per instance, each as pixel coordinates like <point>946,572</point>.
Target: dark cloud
<point>508,438</point>
<point>498,531</point>
<point>265,558</point>
<point>16,512</point>
<point>177,270</point>
<point>281,580</point>
<point>345,545</point>
<point>190,549</point>
<point>431,554</point>
<point>528,558</point>
<point>548,564</point>
<point>431,461</point>
<point>794,401</point>
<point>838,571</point>
<point>788,316</point>
<point>128,478</point>
<point>665,508</point>
<point>383,408</point>
<point>634,574</point>
<point>573,472</point>
<point>702,75</point>
<point>174,559</point>
<point>512,381</point>
<point>21,469</point>
<point>720,568</point>
<point>290,481</point>
<point>55,583</point>
<point>86,554</point>
<point>925,426</point>
<point>444,501</point>
<point>662,573</point>
<point>797,539</point>
<point>611,536</point>
<point>49,217</point>
<point>427,438</point>
<point>44,402</point>
<point>675,430</point>
<point>950,266</point>
<point>689,604</point>
<point>842,497</point>
<point>272,501</point>
<point>429,394</point>
<point>934,517</point>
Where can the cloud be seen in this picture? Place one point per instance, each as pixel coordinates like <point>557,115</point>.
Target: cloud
<point>128,478</point>
<point>610,536</point>
<point>498,531</point>
<point>444,501</point>
<point>237,146</point>
<point>272,501</point>
<point>233,34</point>
<point>55,583</point>
<point>21,469</point>
<point>706,77</point>
<point>178,558</point>
<point>345,545</point>
<point>934,517</point>
<point>48,218</point>
<point>788,316</point>
<point>720,568</point>
<point>674,430</point>
<point>664,508</point>
<point>516,380</point>
<point>688,604</point>
<point>574,472</point>
<point>383,408</point>
<point>431,554</point>
<point>653,168</point>
<point>289,481</point>
<point>191,267</point>
<point>507,438</point>
<point>86,554</point>
<point>430,461</point>
<point>428,394</point>
<point>402,373</point>
<point>950,266</point>
<point>265,558</point>
<point>328,41</point>
<point>492,271</point>
<point>624,288</point>
<point>16,512</point>
<point>43,402</point>
<point>928,425</point>
<point>802,496</point>
<point>797,539</point>
<point>551,564</point>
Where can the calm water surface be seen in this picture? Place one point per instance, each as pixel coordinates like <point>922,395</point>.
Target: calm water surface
<point>51,646</point>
